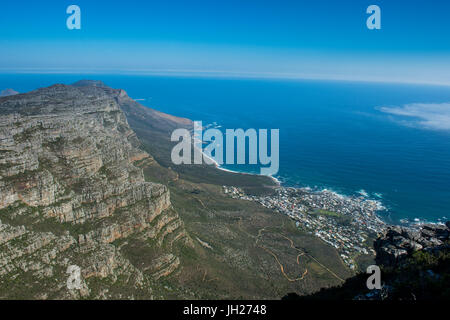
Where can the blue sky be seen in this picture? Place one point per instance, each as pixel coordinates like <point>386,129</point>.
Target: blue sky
<point>310,39</point>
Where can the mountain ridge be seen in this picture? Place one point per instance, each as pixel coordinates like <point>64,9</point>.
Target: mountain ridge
<point>8,92</point>
<point>101,192</point>
<point>67,165</point>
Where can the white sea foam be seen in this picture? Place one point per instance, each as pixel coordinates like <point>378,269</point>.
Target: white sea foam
<point>417,222</point>
<point>363,193</point>
<point>217,165</point>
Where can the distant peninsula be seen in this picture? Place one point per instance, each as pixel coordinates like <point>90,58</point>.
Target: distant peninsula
<point>8,92</point>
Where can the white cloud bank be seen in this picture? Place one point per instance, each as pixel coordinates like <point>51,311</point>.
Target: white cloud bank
<point>433,116</point>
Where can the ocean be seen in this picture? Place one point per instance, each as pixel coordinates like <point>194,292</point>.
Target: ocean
<point>390,142</point>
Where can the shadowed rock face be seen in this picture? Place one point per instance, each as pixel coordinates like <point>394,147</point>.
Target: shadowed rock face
<point>70,190</point>
<point>397,242</point>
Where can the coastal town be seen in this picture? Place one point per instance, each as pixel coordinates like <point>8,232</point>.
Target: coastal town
<point>344,222</point>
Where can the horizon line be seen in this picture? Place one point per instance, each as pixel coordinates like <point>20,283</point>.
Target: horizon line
<point>217,74</point>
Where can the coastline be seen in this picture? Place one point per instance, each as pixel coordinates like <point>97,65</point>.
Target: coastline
<point>219,167</point>
<point>308,189</point>
<point>416,223</point>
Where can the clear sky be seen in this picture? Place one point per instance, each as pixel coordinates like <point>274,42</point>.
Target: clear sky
<point>311,39</point>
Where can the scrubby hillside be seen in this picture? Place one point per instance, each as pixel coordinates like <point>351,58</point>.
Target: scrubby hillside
<point>415,265</point>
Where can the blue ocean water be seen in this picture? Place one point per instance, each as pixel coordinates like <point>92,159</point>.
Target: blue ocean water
<point>332,134</point>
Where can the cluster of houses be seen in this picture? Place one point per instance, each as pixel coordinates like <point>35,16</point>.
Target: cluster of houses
<point>341,221</point>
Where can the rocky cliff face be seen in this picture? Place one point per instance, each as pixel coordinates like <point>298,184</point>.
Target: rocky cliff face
<point>72,192</point>
<point>398,243</point>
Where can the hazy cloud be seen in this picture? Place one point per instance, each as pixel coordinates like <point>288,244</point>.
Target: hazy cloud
<point>434,116</point>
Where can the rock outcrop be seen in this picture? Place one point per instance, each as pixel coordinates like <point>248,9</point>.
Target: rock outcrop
<point>71,193</point>
<point>414,264</point>
<point>399,242</point>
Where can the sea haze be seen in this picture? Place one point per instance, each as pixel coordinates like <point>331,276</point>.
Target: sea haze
<point>390,140</point>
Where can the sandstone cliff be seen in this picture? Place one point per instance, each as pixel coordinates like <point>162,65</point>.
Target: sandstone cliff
<point>72,192</point>
<point>398,243</point>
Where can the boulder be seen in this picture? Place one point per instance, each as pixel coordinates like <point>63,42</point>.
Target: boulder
<point>398,242</point>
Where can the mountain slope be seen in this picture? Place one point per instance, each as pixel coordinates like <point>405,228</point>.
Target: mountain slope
<point>72,194</point>
<point>86,179</point>
<point>239,246</point>
<point>414,263</point>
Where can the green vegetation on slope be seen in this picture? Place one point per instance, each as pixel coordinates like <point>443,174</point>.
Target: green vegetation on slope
<point>241,250</point>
